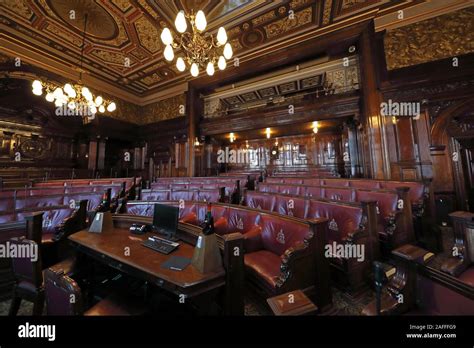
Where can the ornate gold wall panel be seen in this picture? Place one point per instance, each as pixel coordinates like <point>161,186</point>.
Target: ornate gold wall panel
<point>441,37</point>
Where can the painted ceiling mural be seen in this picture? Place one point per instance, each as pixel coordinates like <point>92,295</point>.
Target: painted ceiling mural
<point>123,48</point>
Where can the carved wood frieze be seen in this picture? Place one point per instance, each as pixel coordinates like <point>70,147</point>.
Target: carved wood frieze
<point>441,37</point>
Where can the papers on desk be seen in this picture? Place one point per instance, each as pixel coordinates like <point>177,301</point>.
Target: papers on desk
<point>176,263</point>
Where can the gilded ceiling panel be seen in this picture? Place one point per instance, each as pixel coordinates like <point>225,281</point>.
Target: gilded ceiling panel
<point>441,37</point>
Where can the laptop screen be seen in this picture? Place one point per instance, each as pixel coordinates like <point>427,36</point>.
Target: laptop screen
<point>165,217</point>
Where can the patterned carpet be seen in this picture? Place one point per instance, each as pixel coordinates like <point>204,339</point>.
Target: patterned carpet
<point>342,305</point>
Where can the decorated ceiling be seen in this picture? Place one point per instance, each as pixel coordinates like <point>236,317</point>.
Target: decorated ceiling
<point>123,51</point>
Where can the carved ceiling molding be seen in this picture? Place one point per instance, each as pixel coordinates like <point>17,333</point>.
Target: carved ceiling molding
<point>124,54</point>
<point>441,37</point>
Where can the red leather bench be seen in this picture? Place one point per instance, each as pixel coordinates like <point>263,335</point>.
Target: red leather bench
<point>395,224</point>
<point>280,251</point>
<point>348,224</point>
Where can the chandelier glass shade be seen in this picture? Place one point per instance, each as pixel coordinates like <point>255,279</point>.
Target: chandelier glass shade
<point>200,51</point>
<point>74,96</point>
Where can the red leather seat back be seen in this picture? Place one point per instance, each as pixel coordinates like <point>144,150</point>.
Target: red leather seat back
<point>312,182</point>
<point>7,194</point>
<point>335,182</point>
<point>47,191</point>
<point>194,186</point>
<point>38,202</point>
<point>259,200</point>
<point>186,195</point>
<point>289,190</point>
<point>386,201</point>
<point>158,186</point>
<point>270,188</point>
<point>7,204</point>
<point>78,189</point>
<point>314,192</point>
<point>241,220</point>
<point>294,181</point>
<point>415,194</point>
<point>342,219</point>
<point>274,180</point>
<point>175,186</point>
<point>10,217</point>
<point>51,218</point>
<point>143,209</point>
<point>93,199</point>
<point>186,210</point>
<point>209,186</point>
<point>339,194</point>
<point>365,184</point>
<point>208,195</point>
<point>152,195</point>
<point>291,206</point>
<point>280,234</point>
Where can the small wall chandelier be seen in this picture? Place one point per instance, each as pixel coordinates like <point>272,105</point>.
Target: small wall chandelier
<point>199,49</point>
<point>76,97</point>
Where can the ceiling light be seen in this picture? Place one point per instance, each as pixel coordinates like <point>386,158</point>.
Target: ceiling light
<point>180,65</point>
<point>268,132</point>
<point>197,50</point>
<point>221,63</point>
<point>166,36</point>
<point>221,36</point>
<point>169,54</point>
<point>210,69</point>
<point>201,22</point>
<point>228,51</point>
<point>180,22</point>
<point>194,70</point>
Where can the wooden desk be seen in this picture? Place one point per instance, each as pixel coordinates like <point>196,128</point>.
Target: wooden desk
<point>144,263</point>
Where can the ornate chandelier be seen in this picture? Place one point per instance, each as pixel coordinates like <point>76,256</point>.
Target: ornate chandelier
<point>75,97</point>
<point>199,49</point>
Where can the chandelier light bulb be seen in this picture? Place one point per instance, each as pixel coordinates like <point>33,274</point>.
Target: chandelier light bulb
<point>93,109</point>
<point>58,103</point>
<point>180,22</point>
<point>71,105</point>
<point>85,91</point>
<point>169,54</point>
<point>50,97</point>
<point>37,84</point>
<point>194,70</point>
<point>166,37</point>
<point>37,91</point>
<point>268,131</point>
<point>221,63</point>
<point>89,97</point>
<point>67,88</point>
<point>210,69</point>
<point>228,51</point>
<point>101,109</point>
<point>58,93</point>
<point>180,65</point>
<point>201,22</point>
<point>111,107</point>
<point>98,100</point>
<point>221,36</point>
<point>72,93</point>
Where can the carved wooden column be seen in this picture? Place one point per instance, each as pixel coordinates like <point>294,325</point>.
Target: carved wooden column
<point>193,105</point>
<point>374,123</point>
